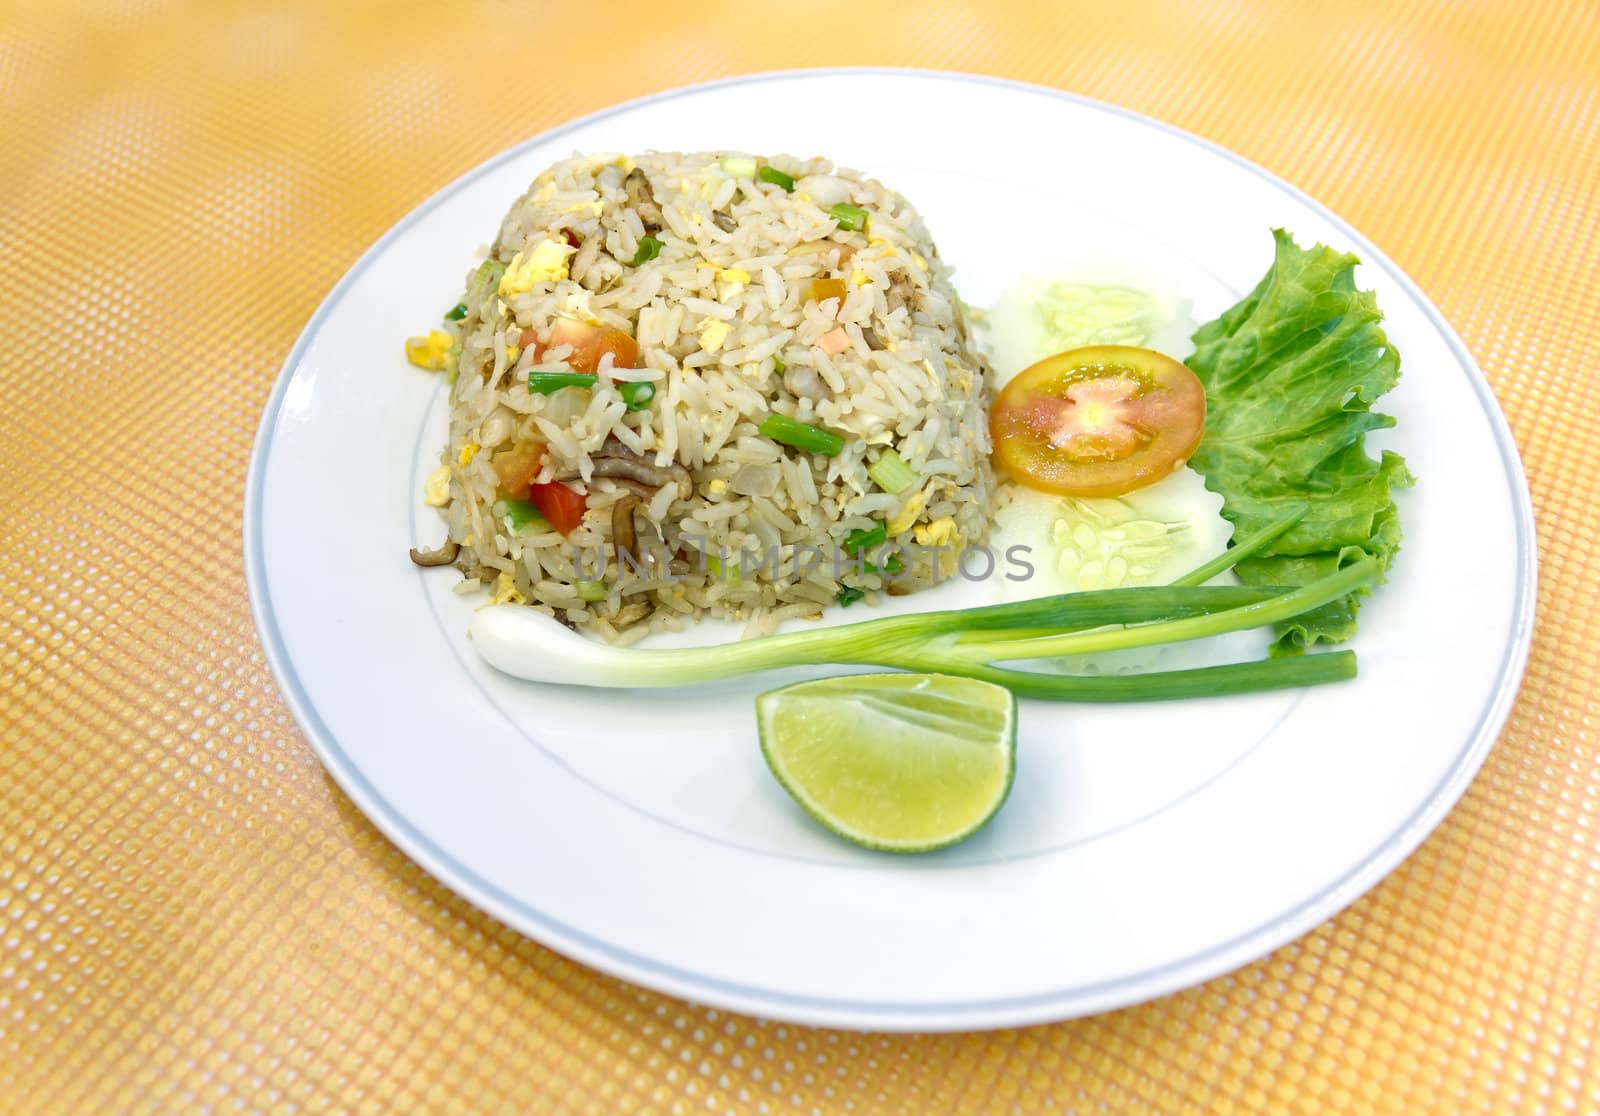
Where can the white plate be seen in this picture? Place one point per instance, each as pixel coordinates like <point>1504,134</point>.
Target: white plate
<point>1145,848</point>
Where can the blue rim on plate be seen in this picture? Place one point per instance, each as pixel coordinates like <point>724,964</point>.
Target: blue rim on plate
<point>1012,1011</point>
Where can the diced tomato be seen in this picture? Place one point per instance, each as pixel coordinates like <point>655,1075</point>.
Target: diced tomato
<point>572,239</point>
<point>517,466</point>
<point>561,507</point>
<point>589,343</point>
<point>820,290</point>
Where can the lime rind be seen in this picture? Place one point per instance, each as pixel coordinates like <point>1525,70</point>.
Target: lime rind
<point>893,762</point>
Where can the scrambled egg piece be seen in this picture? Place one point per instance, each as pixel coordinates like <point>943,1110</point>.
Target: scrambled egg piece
<point>713,334</point>
<point>734,275</point>
<point>545,264</point>
<point>595,207</point>
<point>859,278</point>
<point>940,532</point>
<point>717,487</point>
<point>505,590</point>
<point>602,159</point>
<point>919,261</point>
<point>468,452</point>
<point>431,351</point>
<point>907,515</point>
<point>436,490</point>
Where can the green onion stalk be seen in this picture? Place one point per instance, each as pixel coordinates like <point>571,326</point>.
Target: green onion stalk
<point>800,435</point>
<point>775,176</point>
<point>637,394</point>
<point>976,642</point>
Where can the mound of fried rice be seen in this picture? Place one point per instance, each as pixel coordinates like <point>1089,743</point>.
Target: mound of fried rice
<point>730,326</point>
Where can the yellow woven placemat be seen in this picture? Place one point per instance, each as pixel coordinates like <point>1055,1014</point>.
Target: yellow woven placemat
<point>193,917</point>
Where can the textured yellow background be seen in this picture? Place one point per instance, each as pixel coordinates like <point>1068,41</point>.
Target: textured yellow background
<point>192,916</point>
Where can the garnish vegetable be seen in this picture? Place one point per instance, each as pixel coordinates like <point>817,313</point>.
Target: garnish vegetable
<point>1291,374</point>
<point>897,762</point>
<point>970,642</point>
<point>1075,314</point>
<point>1097,421</point>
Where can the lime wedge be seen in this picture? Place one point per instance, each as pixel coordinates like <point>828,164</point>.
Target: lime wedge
<point>899,762</point>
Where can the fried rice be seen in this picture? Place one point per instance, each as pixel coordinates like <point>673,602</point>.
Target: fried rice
<point>661,308</point>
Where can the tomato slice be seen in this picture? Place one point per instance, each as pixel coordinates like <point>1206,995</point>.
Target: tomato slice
<point>561,507</point>
<point>1098,421</point>
<point>589,343</point>
<point>517,466</point>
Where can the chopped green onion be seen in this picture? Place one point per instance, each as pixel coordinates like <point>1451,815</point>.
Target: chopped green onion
<point>590,591</point>
<point>777,363</point>
<point>725,572</point>
<point>649,249</point>
<point>740,166</point>
<point>893,565</point>
<point>456,312</point>
<point>484,280</point>
<point>861,539</point>
<point>637,395</point>
<point>792,432</point>
<point>891,473</point>
<point>851,218</point>
<point>517,514</point>
<point>849,595</point>
<point>777,178</point>
<point>543,383</point>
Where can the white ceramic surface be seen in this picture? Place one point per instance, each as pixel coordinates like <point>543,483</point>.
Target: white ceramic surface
<point>1145,848</point>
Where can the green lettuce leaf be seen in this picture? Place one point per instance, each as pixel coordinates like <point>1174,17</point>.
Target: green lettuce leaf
<point>1291,374</point>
